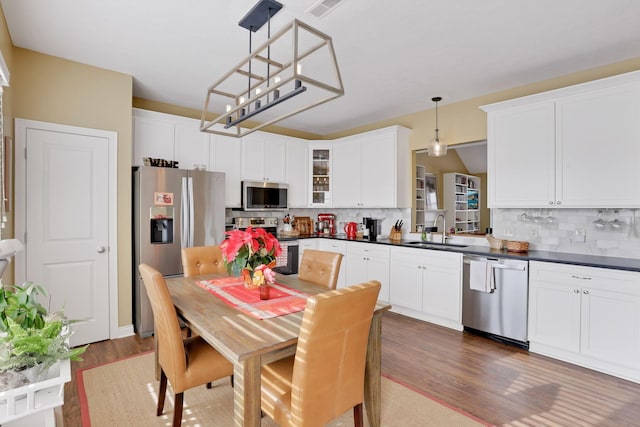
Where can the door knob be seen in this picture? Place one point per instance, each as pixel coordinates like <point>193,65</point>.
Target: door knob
<point>101,249</point>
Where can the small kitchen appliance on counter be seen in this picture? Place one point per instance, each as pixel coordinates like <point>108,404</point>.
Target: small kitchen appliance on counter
<point>327,224</point>
<point>351,229</point>
<point>371,228</point>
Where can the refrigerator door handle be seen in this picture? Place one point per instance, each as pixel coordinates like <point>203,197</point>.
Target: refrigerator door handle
<point>191,207</point>
<point>184,215</point>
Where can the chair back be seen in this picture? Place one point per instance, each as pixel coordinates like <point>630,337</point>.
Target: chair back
<point>202,260</point>
<point>320,267</point>
<point>328,370</point>
<point>171,354</point>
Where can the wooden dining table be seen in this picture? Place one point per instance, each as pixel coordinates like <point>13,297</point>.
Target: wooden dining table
<point>249,343</point>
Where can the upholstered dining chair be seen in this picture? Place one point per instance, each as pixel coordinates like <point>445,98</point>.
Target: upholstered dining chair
<point>325,378</point>
<point>198,260</point>
<point>202,260</point>
<point>186,363</point>
<point>320,267</point>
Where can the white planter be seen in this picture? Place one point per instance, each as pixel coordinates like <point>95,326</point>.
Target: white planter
<point>40,396</point>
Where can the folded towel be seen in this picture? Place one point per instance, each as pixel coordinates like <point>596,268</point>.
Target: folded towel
<point>481,276</point>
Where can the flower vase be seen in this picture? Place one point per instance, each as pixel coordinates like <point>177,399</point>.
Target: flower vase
<point>264,291</point>
<point>248,279</point>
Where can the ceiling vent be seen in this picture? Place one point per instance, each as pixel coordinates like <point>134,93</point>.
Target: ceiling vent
<point>322,8</point>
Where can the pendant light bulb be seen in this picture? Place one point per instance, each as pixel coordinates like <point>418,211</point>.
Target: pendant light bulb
<point>437,148</point>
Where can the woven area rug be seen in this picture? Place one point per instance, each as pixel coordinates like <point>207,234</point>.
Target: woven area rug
<point>124,393</point>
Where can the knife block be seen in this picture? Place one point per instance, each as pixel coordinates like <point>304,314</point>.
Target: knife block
<point>395,234</point>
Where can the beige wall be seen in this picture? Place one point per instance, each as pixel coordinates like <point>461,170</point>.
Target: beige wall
<point>465,122</point>
<point>162,107</point>
<point>7,119</point>
<point>56,90</point>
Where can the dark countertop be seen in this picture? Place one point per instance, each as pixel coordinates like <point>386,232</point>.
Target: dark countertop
<point>629,264</point>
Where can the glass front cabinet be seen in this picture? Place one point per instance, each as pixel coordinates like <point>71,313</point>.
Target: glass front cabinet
<point>321,179</point>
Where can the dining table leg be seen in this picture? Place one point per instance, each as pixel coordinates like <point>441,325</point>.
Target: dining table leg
<point>373,372</point>
<point>246,392</point>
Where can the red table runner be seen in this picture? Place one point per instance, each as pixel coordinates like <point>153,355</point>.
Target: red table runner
<point>231,290</point>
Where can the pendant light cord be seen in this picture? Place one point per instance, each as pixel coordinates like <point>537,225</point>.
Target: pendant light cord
<point>436,100</point>
<point>249,86</point>
<point>268,50</point>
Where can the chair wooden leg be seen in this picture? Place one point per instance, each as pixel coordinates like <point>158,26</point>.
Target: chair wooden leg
<point>161,392</point>
<point>177,410</point>
<point>357,415</point>
<point>231,380</point>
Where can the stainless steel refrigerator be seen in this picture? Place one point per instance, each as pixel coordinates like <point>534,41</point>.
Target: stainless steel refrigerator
<point>172,209</point>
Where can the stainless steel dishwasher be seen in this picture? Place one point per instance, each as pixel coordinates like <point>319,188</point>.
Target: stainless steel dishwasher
<point>502,312</point>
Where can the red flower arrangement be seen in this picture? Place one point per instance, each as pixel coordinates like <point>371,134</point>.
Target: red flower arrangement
<point>251,251</point>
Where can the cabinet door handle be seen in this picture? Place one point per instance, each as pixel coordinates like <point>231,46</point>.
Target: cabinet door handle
<point>581,277</point>
<point>576,291</point>
<point>586,292</point>
<point>558,202</point>
<point>550,202</point>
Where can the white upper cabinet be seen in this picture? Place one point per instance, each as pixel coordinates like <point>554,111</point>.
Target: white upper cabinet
<point>520,156</point>
<point>347,173</point>
<point>575,147</point>
<point>598,148</point>
<point>169,137</point>
<point>297,173</point>
<point>153,136</point>
<point>371,170</point>
<point>320,182</point>
<point>191,146</point>
<point>264,157</point>
<point>226,157</point>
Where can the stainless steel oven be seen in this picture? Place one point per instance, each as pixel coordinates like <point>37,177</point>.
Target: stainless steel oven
<point>270,224</point>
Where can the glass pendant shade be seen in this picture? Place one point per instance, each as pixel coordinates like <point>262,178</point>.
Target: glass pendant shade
<point>436,147</point>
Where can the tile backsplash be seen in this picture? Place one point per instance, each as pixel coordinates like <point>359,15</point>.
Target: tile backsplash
<point>571,230</point>
<point>557,230</point>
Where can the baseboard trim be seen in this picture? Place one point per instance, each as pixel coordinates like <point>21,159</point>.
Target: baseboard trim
<point>125,331</point>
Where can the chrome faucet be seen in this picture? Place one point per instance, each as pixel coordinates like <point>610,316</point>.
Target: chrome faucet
<point>444,227</point>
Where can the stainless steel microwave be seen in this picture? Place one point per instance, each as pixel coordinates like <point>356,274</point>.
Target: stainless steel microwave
<point>264,196</point>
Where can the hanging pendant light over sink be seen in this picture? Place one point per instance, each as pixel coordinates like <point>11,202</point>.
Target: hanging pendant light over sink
<point>437,148</point>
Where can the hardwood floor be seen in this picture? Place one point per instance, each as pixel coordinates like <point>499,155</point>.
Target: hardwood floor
<point>499,383</point>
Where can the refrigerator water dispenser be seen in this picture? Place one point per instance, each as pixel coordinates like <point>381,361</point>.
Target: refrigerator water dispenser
<point>162,230</point>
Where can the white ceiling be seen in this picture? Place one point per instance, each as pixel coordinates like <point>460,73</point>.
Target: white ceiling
<point>394,55</point>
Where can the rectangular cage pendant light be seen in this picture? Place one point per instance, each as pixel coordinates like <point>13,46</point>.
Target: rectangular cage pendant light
<point>293,71</point>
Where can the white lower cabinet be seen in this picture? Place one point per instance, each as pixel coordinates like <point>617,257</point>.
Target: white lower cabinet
<point>366,261</point>
<point>339,246</point>
<point>587,316</point>
<point>427,285</point>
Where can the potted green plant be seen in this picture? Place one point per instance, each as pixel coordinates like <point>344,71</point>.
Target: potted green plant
<point>31,339</point>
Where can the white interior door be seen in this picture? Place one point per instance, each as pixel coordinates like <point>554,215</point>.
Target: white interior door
<point>67,229</point>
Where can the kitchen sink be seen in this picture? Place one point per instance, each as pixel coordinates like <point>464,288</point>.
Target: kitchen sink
<point>436,245</point>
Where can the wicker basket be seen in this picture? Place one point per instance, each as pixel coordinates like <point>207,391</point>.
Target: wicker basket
<point>494,243</point>
<point>517,246</point>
